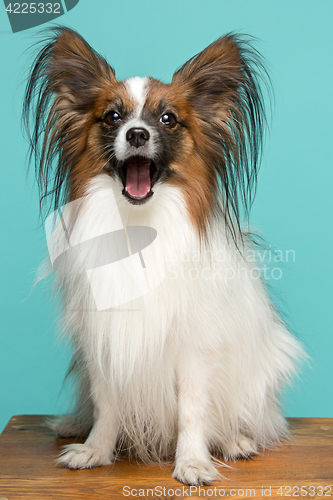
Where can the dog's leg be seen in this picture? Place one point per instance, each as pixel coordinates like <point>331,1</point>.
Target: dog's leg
<point>100,445</point>
<point>193,461</point>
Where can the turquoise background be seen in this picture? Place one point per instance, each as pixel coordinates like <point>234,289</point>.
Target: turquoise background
<point>293,207</point>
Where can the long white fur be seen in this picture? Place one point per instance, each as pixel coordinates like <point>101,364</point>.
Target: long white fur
<point>194,366</point>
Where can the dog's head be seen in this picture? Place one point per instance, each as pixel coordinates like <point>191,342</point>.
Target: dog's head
<point>201,133</point>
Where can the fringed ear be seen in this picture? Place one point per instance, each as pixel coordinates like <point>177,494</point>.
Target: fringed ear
<point>222,84</point>
<point>61,99</point>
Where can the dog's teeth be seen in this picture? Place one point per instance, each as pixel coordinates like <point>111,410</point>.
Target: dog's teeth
<point>149,190</point>
<point>126,189</point>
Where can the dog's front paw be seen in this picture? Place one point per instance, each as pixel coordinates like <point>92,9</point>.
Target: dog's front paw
<point>82,456</point>
<point>195,472</point>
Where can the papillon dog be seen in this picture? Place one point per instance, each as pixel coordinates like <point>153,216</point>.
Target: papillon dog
<point>178,351</point>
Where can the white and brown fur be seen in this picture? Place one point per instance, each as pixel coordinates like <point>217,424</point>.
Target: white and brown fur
<point>196,367</point>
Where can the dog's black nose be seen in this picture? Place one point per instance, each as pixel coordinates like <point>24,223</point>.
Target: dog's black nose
<point>137,136</point>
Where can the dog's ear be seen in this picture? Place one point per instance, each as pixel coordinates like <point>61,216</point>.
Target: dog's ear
<point>213,73</point>
<point>223,87</point>
<point>223,80</point>
<point>70,68</point>
<point>66,93</point>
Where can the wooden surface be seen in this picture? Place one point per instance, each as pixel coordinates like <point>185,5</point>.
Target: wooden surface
<point>27,470</point>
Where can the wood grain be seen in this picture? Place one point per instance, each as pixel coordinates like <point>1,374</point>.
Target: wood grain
<point>27,470</point>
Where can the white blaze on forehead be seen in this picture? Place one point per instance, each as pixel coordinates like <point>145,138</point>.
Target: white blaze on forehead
<point>137,87</point>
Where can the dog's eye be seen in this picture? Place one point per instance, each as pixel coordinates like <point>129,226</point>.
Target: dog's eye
<point>169,120</point>
<point>112,117</point>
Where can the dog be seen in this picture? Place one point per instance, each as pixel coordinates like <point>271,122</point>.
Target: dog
<point>178,350</point>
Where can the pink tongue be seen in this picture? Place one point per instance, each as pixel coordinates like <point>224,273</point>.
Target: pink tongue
<point>137,177</point>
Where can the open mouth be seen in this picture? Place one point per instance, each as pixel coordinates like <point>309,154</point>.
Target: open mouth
<point>138,175</point>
